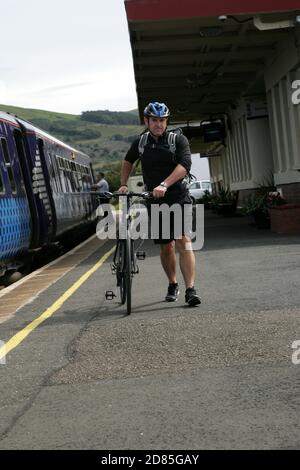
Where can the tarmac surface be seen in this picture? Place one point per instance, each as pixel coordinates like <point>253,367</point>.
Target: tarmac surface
<point>217,376</point>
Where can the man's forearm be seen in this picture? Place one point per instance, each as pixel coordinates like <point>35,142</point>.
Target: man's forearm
<point>177,174</point>
<point>125,172</point>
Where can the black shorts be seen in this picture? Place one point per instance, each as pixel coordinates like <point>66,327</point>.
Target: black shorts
<point>167,221</point>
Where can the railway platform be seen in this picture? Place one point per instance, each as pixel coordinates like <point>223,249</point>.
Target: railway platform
<point>81,374</point>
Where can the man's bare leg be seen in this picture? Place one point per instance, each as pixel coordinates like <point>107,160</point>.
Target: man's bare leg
<point>186,261</point>
<point>188,268</point>
<point>168,260</point>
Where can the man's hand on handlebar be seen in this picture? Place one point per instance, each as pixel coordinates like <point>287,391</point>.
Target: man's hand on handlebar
<point>123,189</point>
<point>159,191</point>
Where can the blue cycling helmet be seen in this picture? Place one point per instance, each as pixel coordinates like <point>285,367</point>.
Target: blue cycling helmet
<point>157,110</point>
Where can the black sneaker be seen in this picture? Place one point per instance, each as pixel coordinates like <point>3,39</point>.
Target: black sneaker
<point>191,297</point>
<point>173,292</point>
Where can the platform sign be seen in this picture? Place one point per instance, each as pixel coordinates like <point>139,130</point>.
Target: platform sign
<point>257,109</point>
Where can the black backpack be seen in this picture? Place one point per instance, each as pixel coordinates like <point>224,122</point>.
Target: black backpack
<point>172,137</point>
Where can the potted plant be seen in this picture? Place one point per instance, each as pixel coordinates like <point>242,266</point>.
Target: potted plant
<point>259,205</point>
<point>225,202</point>
<point>206,199</point>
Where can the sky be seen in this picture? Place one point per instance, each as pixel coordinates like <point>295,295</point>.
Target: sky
<point>66,55</point>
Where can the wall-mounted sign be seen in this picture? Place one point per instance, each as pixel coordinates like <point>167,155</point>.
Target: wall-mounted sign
<point>257,109</point>
<point>213,131</point>
<point>296,94</point>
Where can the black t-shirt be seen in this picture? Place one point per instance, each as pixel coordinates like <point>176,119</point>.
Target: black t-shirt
<point>158,162</point>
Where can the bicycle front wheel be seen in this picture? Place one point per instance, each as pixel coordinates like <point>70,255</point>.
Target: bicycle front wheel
<point>121,269</point>
<point>128,275</point>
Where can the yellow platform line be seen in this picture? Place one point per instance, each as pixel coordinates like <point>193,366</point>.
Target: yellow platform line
<point>21,335</point>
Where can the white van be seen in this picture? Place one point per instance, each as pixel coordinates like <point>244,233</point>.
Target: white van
<point>197,189</point>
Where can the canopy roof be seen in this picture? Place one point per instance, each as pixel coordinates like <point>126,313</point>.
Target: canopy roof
<point>199,65</point>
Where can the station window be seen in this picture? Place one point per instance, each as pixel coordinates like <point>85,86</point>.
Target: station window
<point>8,165</point>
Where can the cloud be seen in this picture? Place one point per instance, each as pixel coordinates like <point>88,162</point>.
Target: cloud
<point>64,87</point>
<point>77,59</point>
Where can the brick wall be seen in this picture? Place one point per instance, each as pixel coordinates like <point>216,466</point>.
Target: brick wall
<point>291,192</point>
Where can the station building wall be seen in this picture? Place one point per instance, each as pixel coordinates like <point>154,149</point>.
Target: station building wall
<point>258,147</point>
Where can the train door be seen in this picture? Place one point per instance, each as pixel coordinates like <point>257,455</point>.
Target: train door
<point>47,194</point>
<point>15,215</point>
<point>19,141</point>
<point>38,180</point>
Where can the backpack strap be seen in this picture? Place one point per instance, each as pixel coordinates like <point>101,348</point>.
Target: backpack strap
<point>172,146</point>
<point>143,142</point>
<point>172,142</point>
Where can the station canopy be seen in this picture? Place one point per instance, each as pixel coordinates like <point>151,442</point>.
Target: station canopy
<point>201,57</point>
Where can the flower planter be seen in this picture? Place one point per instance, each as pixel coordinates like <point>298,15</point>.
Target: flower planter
<point>226,208</point>
<point>261,219</point>
<point>285,218</point>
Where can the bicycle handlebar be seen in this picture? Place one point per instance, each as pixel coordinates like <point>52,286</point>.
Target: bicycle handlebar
<point>116,194</point>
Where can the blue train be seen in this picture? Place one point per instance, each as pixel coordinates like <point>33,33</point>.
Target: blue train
<point>44,190</point>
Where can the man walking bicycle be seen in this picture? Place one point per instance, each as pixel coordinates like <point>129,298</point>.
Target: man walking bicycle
<point>163,171</point>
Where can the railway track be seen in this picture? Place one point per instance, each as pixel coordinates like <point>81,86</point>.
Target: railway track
<point>43,257</point>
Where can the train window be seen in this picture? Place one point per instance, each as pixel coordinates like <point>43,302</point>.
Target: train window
<point>86,182</point>
<point>8,165</point>
<point>79,175</point>
<point>61,163</point>
<point>52,173</point>
<point>59,173</point>
<point>56,172</point>
<point>72,181</point>
<point>76,182</point>
<point>67,176</point>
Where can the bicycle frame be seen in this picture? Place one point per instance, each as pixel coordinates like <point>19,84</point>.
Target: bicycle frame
<point>124,262</point>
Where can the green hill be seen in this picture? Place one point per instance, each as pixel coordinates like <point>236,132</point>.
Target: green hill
<point>105,143</point>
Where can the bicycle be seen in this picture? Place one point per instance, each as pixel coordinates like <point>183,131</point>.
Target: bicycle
<point>124,264</point>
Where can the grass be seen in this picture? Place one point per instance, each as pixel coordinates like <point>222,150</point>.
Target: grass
<point>92,138</point>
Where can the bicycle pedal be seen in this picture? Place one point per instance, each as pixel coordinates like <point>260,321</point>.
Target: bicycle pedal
<point>109,295</point>
<point>113,269</point>
<point>141,255</point>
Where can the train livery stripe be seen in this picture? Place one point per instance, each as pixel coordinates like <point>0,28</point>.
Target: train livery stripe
<point>21,335</point>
